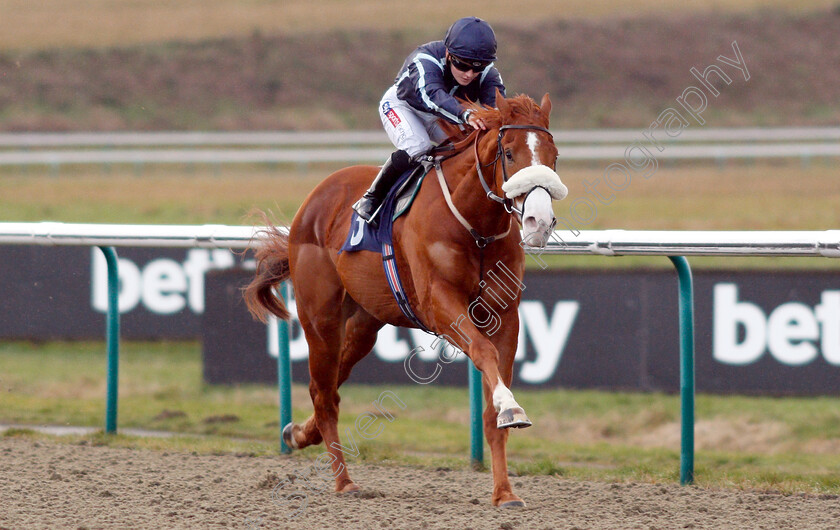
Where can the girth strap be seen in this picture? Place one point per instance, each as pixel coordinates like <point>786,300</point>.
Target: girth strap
<point>389,262</point>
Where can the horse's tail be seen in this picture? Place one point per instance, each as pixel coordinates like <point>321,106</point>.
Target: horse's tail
<point>272,257</point>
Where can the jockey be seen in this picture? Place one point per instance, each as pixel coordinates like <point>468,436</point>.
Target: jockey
<point>430,80</point>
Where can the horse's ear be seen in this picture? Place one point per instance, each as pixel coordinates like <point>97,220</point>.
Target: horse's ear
<point>502,104</point>
<point>545,105</point>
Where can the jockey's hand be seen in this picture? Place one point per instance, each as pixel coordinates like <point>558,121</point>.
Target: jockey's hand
<point>477,123</point>
<point>474,121</point>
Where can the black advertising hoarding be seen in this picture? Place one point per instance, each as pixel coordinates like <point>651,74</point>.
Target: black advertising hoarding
<point>235,347</point>
<point>756,331</point>
<point>61,292</point>
<point>769,332</point>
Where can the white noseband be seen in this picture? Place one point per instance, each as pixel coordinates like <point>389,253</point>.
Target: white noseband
<point>530,177</point>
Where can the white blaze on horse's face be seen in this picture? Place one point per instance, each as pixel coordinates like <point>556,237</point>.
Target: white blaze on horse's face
<point>533,188</point>
<point>533,143</point>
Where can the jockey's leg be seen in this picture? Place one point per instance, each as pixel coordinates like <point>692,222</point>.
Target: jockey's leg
<point>407,130</point>
<point>398,163</point>
<point>406,127</point>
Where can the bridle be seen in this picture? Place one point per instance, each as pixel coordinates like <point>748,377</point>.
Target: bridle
<point>509,205</point>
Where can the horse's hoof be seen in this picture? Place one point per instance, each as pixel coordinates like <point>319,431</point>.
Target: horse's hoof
<point>514,417</point>
<point>513,504</point>
<point>351,489</point>
<point>288,437</point>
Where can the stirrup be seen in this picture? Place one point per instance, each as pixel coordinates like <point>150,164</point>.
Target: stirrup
<point>374,217</point>
<point>364,213</point>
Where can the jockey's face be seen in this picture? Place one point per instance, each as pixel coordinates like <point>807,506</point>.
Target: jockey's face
<point>463,78</point>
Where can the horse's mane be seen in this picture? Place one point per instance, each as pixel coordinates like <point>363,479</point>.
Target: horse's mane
<point>521,106</point>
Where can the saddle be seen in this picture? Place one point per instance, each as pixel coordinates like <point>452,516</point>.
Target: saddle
<point>406,192</point>
<point>397,203</point>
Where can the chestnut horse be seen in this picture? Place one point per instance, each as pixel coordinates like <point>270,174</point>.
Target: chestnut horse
<point>491,181</point>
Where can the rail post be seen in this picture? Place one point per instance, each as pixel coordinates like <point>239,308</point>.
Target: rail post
<point>686,310</point>
<point>284,372</point>
<point>476,423</point>
<point>112,337</point>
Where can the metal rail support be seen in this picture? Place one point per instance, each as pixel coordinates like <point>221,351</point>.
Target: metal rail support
<point>686,310</point>
<point>112,337</point>
<point>476,423</point>
<point>284,372</point>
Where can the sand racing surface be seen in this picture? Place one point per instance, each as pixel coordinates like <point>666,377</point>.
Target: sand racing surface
<point>46,484</point>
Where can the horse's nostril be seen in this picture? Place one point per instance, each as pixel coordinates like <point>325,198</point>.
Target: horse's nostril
<point>530,224</point>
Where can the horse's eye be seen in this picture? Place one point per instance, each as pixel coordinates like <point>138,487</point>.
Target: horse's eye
<point>509,154</point>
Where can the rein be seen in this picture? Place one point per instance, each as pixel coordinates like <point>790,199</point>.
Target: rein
<point>479,239</point>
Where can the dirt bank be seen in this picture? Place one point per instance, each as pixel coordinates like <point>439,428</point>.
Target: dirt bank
<point>611,72</point>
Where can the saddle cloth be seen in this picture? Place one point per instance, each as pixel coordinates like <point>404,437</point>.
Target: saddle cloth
<point>363,237</point>
<point>398,201</point>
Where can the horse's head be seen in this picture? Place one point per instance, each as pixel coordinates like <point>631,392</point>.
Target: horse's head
<point>525,160</point>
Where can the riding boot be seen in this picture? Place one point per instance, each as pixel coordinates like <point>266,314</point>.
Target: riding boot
<point>368,206</point>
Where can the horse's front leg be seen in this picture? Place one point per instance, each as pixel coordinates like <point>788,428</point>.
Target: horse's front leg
<point>477,333</point>
<point>502,411</point>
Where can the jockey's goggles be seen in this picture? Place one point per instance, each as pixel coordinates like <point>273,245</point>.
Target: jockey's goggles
<point>465,65</point>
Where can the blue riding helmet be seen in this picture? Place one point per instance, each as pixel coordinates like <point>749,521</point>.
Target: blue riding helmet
<point>471,38</point>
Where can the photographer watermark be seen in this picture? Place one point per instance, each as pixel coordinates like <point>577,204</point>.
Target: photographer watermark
<point>481,315</point>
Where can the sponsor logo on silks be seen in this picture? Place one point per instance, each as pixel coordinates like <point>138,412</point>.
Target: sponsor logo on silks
<point>391,114</point>
<point>394,119</point>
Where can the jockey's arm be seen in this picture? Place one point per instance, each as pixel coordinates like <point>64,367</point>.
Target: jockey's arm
<point>426,91</point>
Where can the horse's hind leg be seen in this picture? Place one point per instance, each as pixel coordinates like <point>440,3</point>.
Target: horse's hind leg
<point>319,294</point>
<point>359,337</point>
<point>325,312</point>
<point>360,332</point>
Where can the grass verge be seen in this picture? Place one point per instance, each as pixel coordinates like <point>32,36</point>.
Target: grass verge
<point>738,196</point>
<point>95,23</point>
